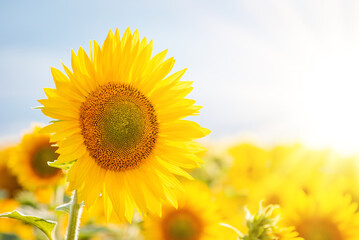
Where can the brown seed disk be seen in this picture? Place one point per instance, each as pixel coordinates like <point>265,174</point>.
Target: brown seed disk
<point>119,126</point>
<point>182,224</point>
<point>42,152</point>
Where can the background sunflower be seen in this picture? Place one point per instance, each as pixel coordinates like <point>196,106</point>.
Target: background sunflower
<point>28,161</point>
<point>196,218</point>
<point>323,215</point>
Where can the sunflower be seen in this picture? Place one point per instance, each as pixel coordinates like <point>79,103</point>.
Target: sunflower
<point>121,117</point>
<point>9,183</point>
<point>272,190</point>
<point>342,173</point>
<point>308,172</point>
<point>29,161</point>
<point>323,216</point>
<point>251,165</point>
<point>274,175</point>
<point>196,218</point>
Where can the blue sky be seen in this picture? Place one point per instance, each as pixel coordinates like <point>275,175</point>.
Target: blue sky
<point>275,71</point>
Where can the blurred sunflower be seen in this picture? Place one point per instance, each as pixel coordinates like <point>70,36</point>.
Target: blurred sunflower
<point>29,161</point>
<point>251,165</point>
<point>343,174</point>
<point>284,159</point>
<point>197,218</point>
<point>9,183</point>
<point>281,153</point>
<point>122,119</point>
<point>274,175</point>
<point>308,172</point>
<point>272,190</point>
<point>323,216</point>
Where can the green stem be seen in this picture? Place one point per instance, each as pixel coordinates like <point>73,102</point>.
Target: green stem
<point>74,218</point>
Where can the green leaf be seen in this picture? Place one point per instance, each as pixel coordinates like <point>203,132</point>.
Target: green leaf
<point>45,226</point>
<point>64,166</point>
<point>38,107</point>
<point>64,207</point>
<point>55,121</point>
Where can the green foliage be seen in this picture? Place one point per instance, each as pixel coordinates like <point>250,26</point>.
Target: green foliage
<point>261,225</point>
<point>45,226</point>
<point>64,207</point>
<point>64,166</point>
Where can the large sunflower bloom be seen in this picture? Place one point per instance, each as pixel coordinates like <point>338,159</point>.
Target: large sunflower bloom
<point>122,119</point>
<point>29,158</point>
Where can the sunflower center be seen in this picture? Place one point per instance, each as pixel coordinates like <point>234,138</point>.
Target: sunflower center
<point>119,126</point>
<point>319,229</point>
<point>273,199</point>
<point>39,161</point>
<point>182,225</point>
<point>123,125</point>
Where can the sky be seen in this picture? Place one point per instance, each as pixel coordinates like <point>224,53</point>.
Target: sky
<point>273,71</point>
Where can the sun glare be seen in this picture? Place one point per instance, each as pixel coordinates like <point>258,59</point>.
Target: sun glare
<point>328,95</point>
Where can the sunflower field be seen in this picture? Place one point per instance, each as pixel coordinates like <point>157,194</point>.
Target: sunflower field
<point>121,160</point>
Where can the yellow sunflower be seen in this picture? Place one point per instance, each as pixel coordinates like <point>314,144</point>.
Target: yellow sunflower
<point>9,183</point>
<point>323,216</point>
<point>274,189</point>
<point>251,165</point>
<point>342,173</point>
<point>29,161</point>
<point>196,218</point>
<point>121,117</point>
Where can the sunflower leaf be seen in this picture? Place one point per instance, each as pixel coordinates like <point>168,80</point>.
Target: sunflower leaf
<point>64,166</point>
<point>45,226</point>
<point>64,207</point>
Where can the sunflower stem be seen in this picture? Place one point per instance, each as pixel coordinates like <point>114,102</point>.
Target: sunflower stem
<point>74,218</point>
